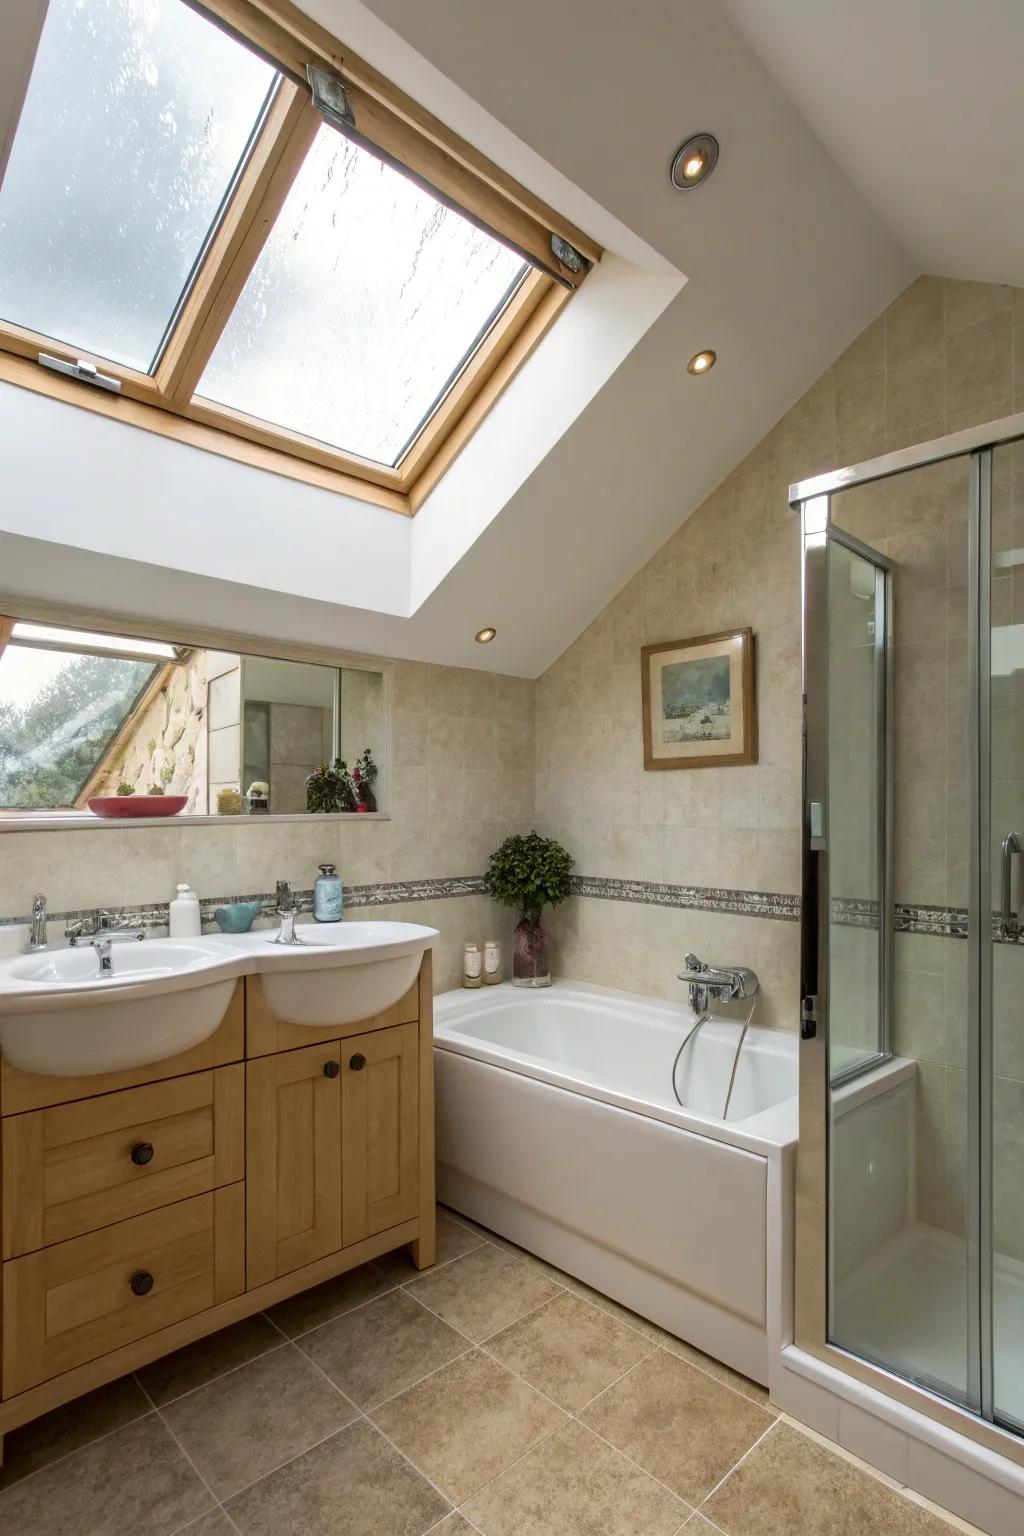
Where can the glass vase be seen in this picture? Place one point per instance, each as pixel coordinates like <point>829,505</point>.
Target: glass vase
<point>530,954</point>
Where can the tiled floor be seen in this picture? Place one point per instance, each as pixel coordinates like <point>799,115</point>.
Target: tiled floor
<point>377,1403</point>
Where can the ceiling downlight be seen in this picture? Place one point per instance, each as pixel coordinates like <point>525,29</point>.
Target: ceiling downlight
<point>486,635</point>
<point>694,161</point>
<point>702,362</point>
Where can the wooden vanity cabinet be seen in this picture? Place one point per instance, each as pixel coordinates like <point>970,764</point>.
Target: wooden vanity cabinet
<point>142,1210</point>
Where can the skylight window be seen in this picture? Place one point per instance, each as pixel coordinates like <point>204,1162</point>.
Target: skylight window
<point>191,238</point>
<point>366,302</point>
<point>137,117</point>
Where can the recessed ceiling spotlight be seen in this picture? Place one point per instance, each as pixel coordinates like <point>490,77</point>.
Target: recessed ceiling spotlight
<point>700,362</point>
<point>485,636</point>
<point>694,161</point>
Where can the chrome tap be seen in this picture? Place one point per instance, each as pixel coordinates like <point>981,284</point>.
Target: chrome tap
<point>37,936</point>
<point>287,910</point>
<point>722,983</point>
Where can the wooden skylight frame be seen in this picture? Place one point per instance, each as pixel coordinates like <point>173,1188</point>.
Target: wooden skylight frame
<point>396,128</point>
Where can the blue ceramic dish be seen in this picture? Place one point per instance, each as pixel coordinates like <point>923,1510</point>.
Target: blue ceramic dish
<point>238,918</point>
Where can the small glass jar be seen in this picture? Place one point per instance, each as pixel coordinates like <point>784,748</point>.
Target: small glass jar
<point>492,963</point>
<point>472,966</point>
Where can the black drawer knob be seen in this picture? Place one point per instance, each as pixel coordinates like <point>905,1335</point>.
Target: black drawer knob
<point>357,1062</point>
<point>332,1068</point>
<point>141,1282</point>
<point>142,1153</point>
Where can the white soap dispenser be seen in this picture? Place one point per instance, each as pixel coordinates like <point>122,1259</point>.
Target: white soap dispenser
<point>184,921</point>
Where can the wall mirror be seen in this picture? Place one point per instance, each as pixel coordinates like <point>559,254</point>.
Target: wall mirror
<point>94,716</point>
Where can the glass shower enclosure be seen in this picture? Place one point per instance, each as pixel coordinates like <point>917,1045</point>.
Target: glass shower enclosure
<point>910,1182</point>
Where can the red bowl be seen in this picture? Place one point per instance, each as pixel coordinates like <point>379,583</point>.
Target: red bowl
<point>137,805</point>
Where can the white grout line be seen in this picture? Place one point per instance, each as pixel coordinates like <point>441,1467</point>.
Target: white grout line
<point>725,1478</point>
<point>230,1370</point>
<point>365,1418</point>
<point>216,1502</point>
<point>470,1349</point>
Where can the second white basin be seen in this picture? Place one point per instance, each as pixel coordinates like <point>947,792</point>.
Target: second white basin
<point>339,973</point>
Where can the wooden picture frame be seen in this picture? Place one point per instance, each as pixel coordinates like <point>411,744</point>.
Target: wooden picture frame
<point>707,685</point>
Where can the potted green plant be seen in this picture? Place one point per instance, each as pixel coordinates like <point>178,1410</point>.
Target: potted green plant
<point>329,789</point>
<point>529,873</point>
<point>364,776</point>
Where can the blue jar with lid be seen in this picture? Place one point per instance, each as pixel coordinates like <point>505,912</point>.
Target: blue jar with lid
<point>327,900</point>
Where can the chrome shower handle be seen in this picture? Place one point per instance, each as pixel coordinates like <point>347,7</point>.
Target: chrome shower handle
<point>1012,843</point>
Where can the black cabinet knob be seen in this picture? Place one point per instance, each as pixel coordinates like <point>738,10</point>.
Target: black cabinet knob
<point>332,1068</point>
<point>142,1153</point>
<point>141,1282</point>
<point>357,1062</point>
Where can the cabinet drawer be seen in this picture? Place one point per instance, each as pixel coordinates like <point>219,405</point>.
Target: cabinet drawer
<point>78,1167</point>
<point>81,1299</point>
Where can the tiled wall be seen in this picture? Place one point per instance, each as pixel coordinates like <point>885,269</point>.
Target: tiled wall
<point>462,780</point>
<point>946,355</point>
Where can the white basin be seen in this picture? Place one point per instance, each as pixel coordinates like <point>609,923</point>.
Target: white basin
<point>340,972</point>
<point>60,1015</point>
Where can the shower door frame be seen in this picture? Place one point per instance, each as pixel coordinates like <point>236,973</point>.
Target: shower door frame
<point>812,499</point>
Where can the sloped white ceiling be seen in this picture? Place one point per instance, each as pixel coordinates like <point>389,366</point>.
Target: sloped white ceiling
<point>783,259</point>
<point>922,104</point>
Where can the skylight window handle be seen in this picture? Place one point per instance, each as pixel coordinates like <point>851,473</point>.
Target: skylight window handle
<point>330,97</point>
<point>87,372</point>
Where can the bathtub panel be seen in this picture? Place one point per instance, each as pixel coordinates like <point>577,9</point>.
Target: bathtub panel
<point>687,1207</point>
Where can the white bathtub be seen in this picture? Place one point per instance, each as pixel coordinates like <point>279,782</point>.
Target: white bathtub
<point>558,1128</point>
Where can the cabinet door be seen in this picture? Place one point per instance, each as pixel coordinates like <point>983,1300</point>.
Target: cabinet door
<point>293,1160</point>
<point>380,1131</point>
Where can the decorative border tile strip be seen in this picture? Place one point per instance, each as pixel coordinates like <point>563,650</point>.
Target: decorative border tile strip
<point>943,922</point>
<point>768,904</point>
<point>853,912</point>
<point>396,891</point>
<point>155,914</point>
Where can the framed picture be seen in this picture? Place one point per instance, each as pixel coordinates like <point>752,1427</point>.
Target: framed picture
<point>698,700</point>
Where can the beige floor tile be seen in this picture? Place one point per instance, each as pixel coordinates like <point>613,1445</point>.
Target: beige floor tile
<point>312,1308</point>
<point>453,1240</point>
<point>381,1349</point>
<point>216,1523</point>
<point>789,1483</point>
<point>245,1424</point>
<point>681,1426</point>
<point>569,1350</point>
<point>133,1481</point>
<point>466,1423</point>
<point>620,1313</point>
<point>483,1292</point>
<point>453,1526</point>
<point>532,1260</point>
<point>208,1358</point>
<point>715,1368</point>
<point>355,1484</point>
<point>70,1427</point>
<point>698,1526</point>
<point>576,1485</point>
